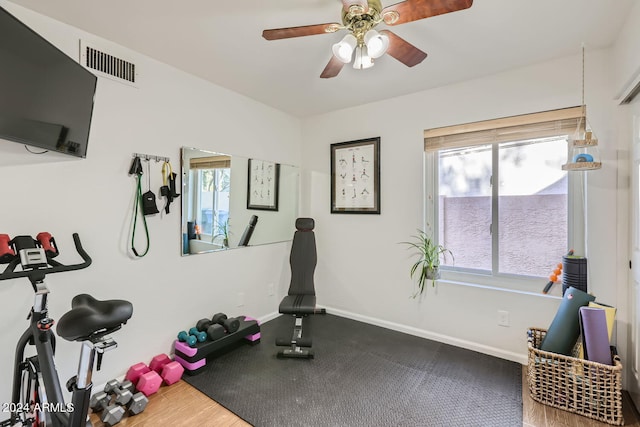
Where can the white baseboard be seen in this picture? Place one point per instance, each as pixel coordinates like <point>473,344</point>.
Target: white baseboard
<point>268,317</point>
<point>470,345</point>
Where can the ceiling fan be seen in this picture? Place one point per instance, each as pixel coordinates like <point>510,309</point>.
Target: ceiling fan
<point>360,17</point>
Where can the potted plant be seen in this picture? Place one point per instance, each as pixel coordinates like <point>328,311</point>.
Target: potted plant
<point>223,228</point>
<point>427,266</point>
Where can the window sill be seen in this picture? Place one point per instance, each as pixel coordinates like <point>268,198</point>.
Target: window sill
<point>529,287</point>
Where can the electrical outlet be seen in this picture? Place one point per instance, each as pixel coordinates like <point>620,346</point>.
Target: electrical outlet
<point>270,289</point>
<point>503,318</point>
<point>240,299</point>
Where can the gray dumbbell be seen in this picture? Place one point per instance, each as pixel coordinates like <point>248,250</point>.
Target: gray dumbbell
<point>137,403</point>
<point>99,401</point>
<point>123,396</point>
<point>111,385</point>
<point>122,391</point>
<point>112,415</point>
<point>127,385</point>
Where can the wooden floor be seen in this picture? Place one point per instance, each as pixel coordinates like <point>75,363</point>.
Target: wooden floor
<point>180,405</point>
<point>183,405</point>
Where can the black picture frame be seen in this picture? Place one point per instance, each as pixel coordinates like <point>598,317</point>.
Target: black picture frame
<point>355,176</point>
<point>263,185</point>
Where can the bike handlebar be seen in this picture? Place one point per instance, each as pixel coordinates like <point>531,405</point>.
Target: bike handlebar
<point>52,266</point>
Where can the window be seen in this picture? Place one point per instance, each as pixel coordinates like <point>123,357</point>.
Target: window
<point>498,197</point>
<point>213,200</point>
<point>211,176</point>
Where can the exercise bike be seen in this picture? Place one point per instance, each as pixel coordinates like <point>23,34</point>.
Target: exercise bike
<point>37,398</point>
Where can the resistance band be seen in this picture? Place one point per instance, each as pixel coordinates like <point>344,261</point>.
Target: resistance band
<point>165,190</point>
<point>136,168</point>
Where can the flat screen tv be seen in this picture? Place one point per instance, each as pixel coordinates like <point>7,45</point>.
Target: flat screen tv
<point>46,98</point>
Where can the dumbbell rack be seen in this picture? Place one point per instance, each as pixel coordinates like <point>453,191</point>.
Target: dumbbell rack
<point>194,359</point>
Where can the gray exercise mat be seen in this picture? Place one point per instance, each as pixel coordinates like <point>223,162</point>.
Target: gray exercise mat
<point>363,375</point>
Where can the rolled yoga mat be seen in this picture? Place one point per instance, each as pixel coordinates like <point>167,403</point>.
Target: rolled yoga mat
<point>595,336</point>
<point>563,333</point>
<point>610,313</point>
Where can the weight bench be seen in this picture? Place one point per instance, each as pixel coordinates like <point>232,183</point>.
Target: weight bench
<point>301,299</point>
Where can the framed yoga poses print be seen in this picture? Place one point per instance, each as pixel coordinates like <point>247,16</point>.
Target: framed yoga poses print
<point>355,176</point>
<point>263,185</point>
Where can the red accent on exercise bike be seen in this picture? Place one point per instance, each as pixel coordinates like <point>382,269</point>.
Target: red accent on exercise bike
<point>6,253</point>
<point>48,243</point>
<point>45,324</point>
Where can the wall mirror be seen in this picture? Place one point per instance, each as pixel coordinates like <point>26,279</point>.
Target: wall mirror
<point>232,202</point>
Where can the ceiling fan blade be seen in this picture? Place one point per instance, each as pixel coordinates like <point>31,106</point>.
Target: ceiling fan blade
<point>362,3</point>
<point>306,30</point>
<point>333,68</point>
<point>403,51</point>
<point>413,10</point>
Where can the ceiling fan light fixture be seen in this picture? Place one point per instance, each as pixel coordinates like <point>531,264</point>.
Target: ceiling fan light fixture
<point>363,60</point>
<point>390,17</point>
<point>344,49</point>
<point>377,44</point>
<point>357,9</point>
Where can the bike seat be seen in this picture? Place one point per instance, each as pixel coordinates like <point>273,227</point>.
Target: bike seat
<point>91,318</point>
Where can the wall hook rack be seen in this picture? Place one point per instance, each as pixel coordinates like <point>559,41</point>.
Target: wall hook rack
<point>148,157</point>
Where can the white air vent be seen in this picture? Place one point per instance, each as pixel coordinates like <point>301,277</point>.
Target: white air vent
<point>108,65</point>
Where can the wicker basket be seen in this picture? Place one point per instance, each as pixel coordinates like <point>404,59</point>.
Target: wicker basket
<point>587,388</point>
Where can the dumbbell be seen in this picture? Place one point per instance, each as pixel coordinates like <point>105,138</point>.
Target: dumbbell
<point>201,336</point>
<point>191,340</point>
<point>172,372</point>
<point>203,324</point>
<point>137,404</point>
<point>159,362</point>
<point>149,383</point>
<point>123,392</point>
<point>136,371</point>
<point>149,378</point>
<point>213,330</point>
<point>230,325</point>
<point>111,413</point>
<point>99,401</point>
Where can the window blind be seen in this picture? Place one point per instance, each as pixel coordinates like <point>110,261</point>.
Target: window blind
<point>211,162</point>
<point>515,128</point>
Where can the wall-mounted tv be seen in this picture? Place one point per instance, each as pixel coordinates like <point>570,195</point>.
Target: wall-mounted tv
<point>46,98</point>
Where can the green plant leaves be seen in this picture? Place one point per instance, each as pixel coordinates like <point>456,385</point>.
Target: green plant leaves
<point>429,256</point>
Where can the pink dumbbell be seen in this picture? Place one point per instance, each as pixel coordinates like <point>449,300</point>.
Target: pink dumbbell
<point>172,372</point>
<point>149,383</point>
<point>158,362</point>
<point>136,371</point>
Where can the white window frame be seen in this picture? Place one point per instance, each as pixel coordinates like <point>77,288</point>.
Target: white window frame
<point>215,162</point>
<point>521,283</point>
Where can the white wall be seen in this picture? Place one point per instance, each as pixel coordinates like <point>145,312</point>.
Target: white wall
<point>626,61</point>
<point>362,270</point>
<point>94,197</point>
